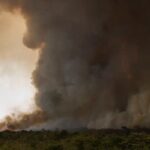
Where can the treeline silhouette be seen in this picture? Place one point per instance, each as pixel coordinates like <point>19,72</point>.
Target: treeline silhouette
<point>84,139</point>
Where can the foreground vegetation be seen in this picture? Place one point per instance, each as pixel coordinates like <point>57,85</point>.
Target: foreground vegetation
<point>124,139</point>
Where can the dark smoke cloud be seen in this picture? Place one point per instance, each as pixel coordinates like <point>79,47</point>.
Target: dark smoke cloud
<point>23,121</point>
<point>93,69</point>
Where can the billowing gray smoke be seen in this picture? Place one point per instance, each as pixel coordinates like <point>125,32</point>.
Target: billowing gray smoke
<point>94,65</point>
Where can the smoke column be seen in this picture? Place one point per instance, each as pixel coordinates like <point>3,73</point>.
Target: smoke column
<point>94,65</point>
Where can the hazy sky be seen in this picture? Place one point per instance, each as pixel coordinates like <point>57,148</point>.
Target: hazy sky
<point>16,65</point>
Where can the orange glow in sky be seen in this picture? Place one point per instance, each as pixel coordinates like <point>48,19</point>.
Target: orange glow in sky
<point>16,65</point>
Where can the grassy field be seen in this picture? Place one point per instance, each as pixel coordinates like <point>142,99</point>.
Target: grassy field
<point>124,139</point>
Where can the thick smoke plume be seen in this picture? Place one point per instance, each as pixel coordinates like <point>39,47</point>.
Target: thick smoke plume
<point>23,121</point>
<point>94,65</point>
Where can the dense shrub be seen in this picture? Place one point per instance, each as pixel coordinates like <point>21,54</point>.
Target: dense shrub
<point>82,140</point>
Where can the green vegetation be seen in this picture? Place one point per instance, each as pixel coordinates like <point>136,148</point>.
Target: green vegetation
<point>82,140</point>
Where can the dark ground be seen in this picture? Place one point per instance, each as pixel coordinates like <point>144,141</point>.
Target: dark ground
<point>124,139</point>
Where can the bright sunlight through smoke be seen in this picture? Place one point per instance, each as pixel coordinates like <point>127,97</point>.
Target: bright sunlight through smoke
<point>16,66</point>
